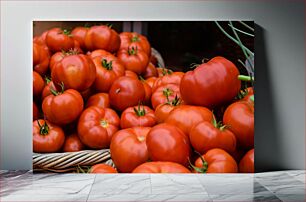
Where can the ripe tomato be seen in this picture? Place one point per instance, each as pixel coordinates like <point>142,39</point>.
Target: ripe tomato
<point>150,81</point>
<point>247,94</point>
<point>41,57</point>
<point>128,148</point>
<point>186,116</point>
<point>38,84</point>
<point>239,116</point>
<point>79,34</point>
<point>164,94</point>
<point>161,167</point>
<point>73,143</point>
<point>35,112</point>
<point>148,91</point>
<point>96,126</point>
<point>136,40</point>
<point>41,39</point>
<point>47,137</point>
<point>99,100</point>
<point>102,168</point>
<point>162,71</point>
<point>246,164</point>
<point>208,135</point>
<point>133,59</point>
<point>108,69</point>
<point>55,58</point>
<point>75,71</point>
<point>130,74</point>
<point>63,107</point>
<point>87,93</point>
<point>59,40</point>
<point>166,142</point>
<point>150,71</point>
<point>171,78</point>
<point>212,83</point>
<point>100,53</point>
<point>137,116</point>
<point>126,92</point>
<point>162,111</point>
<point>47,89</point>
<point>102,37</point>
<point>216,161</point>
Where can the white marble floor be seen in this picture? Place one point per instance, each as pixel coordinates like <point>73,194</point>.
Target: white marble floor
<point>270,186</point>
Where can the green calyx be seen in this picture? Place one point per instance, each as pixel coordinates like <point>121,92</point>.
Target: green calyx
<point>166,71</point>
<point>175,102</point>
<point>135,39</point>
<point>167,92</point>
<point>219,124</point>
<point>67,32</point>
<point>55,93</point>
<point>132,51</point>
<point>47,79</point>
<point>204,167</point>
<point>140,112</point>
<point>107,65</point>
<point>43,129</point>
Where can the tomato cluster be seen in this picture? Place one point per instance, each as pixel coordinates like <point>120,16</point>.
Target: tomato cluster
<point>96,89</point>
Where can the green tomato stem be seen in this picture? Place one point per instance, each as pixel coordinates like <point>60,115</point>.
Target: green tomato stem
<point>245,78</point>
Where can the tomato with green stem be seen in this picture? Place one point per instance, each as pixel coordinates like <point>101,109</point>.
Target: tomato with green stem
<point>100,53</point>
<point>162,111</point>
<point>169,78</point>
<point>246,164</point>
<point>58,39</point>
<point>48,85</point>
<point>47,137</point>
<point>38,84</point>
<point>99,100</point>
<point>164,93</point>
<point>136,40</point>
<point>161,167</point>
<point>162,71</point>
<point>72,143</point>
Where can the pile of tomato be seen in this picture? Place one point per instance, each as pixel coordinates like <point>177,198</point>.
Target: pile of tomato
<point>94,88</point>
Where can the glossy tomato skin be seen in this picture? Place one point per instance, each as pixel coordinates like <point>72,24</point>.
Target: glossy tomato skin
<point>130,74</point>
<point>99,100</point>
<point>150,81</point>
<point>212,83</point>
<point>148,92</point>
<point>218,161</point>
<point>55,58</point>
<point>162,111</point>
<point>41,39</point>
<point>75,71</point>
<point>59,40</point>
<point>96,126</point>
<point>108,69</point>
<point>159,96</point>
<point>41,57</point>
<point>126,92</point>
<point>246,164</point>
<point>239,116</point>
<point>79,34</point>
<point>166,142</point>
<point>136,40</point>
<point>38,84</point>
<point>187,116</point>
<point>128,148</point>
<point>35,112</point>
<point>100,53</point>
<point>102,37</point>
<point>50,139</point>
<point>137,116</point>
<point>47,89</point>
<point>161,167</point>
<point>150,71</point>
<point>63,108</point>
<point>134,59</point>
<point>171,78</point>
<point>73,143</point>
<point>102,168</point>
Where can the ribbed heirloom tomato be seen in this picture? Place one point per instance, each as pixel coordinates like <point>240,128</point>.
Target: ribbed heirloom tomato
<point>161,167</point>
<point>166,142</point>
<point>79,34</point>
<point>75,71</point>
<point>102,168</point>
<point>136,40</point>
<point>73,143</point>
<point>99,53</point>
<point>102,37</point>
<point>99,100</point>
<point>96,127</point>
<point>55,58</point>
<point>170,78</point>
<point>47,89</point>
<point>212,83</point>
<point>216,161</point>
<point>41,57</point>
<point>41,39</point>
<point>164,94</point>
<point>59,40</point>
<point>246,164</point>
<point>38,84</point>
<point>47,137</point>
<point>162,111</point>
<point>130,74</point>
<point>126,92</point>
<point>137,116</point>
<point>63,107</point>
<point>128,148</point>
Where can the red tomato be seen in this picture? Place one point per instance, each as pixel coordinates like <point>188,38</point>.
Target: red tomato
<point>41,39</point>
<point>212,83</point>
<point>102,168</point>
<point>247,94</point>
<point>47,89</point>
<point>63,107</point>
<point>166,142</point>
<point>162,111</point>
<point>246,164</point>
<point>136,40</point>
<point>99,100</point>
<point>137,116</point>
<point>55,58</point>
<point>164,94</point>
<point>79,34</point>
<point>128,148</point>
<point>96,127</point>
<point>162,71</point>
<point>102,37</point>
<point>41,57</point>
<point>99,53</point>
<point>208,135</point>
<point>77,48</point>
<point>186,116</point>
<point>150,71</point>
<point>130,74</point>
<point>161,167</point>
<point>47,137</point>
<point>38,84</point>
<point>148,91</point>
<point>134,59</point>
<point>150,81</point>
<point>172,78</point>
<point>216,161</point>
<point>108,69</point>
<point>126,92</point>
<point>59,40</point>
<point>35,112</point>
<point>239,116</point>
<point>75,71</point>
<point>73,143</point>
